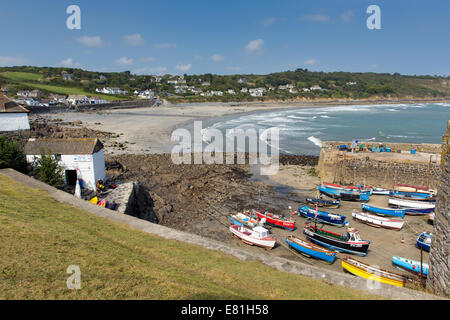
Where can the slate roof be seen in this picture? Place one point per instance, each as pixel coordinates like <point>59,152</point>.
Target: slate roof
<point>7,105</point>
<point>63,146</point>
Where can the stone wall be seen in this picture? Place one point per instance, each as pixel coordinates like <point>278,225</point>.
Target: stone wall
<point>439,265</point>
<point>381,169</point>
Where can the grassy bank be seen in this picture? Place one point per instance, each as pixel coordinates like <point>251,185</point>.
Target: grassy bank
<point>40,238</point>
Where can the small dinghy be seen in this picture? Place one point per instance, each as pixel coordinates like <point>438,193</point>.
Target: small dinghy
<point>431,218</point>
<point>257,236</point>
<point>424,241</point>
<point>244,219</point>
<point>410,265</point>
<point>324,217</point>
<point>415,196</point>
<point>344,193</point>
<point>373,273</point>
<point>275,219</point>
<point>412,207</point>
<point>324,202</point>
<point>380,191</point>
<point>310,249</point>
<point>383,211</point>
<point>377,221</point>
<point>349,242</point>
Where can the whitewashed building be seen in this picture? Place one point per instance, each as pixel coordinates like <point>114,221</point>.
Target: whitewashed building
<point>13,117</point>
<point>80,158</point>
<point>77,99</point>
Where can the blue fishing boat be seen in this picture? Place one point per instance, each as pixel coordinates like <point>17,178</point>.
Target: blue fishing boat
<point>310,249</point>
<point>416,196</point>
<point>410,265</point>
<point>424,241</point>
<point>344,194</point>
<point>384,211</point>
<point>325,217</point>
<point>324,202</point>
<point>412,207</point>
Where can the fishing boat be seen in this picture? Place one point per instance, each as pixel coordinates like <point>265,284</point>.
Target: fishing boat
<point>411,188</point>
<point>380,191</point>
<point>349,242</point>
<point>383,211</point>
<point>377,221</point>
<point>410,265</point>
<point>257,236</point>
<point>310,249</point>
<point>415,196</point>
<point>424,241</point>
<point>338,186</point>
<point>324,202</point>
<point>324,217</point>
<point>373,273</point>
<point>413,207</point>
<point>275,219</point>
<point>344,194</point>
<point>244,219</point>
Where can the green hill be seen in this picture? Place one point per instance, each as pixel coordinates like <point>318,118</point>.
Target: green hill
<point>40,238</point>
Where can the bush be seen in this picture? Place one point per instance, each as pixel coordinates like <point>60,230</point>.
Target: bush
<point>12,156</point>
<point>48,170</point>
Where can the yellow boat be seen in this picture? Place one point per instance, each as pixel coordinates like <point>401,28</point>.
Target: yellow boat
<point>373,273</point>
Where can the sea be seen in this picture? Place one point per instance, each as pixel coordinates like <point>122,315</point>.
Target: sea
<point>302,131</point>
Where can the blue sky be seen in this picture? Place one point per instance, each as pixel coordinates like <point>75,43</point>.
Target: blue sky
<point>228,37</point>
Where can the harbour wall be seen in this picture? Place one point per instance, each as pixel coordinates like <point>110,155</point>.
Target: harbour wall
<point>438,279</point>
<point>383,169</point>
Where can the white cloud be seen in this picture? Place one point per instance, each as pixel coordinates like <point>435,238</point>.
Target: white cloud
<point>164,45</point>
<point>217,57</point>
<point>69,63</point>
<point>183,67</point>
<point>148,59</point>
<point>268,22</point>
<point>233,68</point>
<point>315,17</point>
<point>11,61</point>
<point>133,40</point>
<point>124,61</point>
<point>310,62</point>
<point>347,16</point>
<point>90,41</point>
<point>255,46</point>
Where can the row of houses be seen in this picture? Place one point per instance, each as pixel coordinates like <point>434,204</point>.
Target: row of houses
<point>113,91</point>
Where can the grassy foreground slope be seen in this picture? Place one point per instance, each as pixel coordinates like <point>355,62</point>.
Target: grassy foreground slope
<point>40,238</point>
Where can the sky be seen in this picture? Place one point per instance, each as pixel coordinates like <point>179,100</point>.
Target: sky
<point>228,37</point>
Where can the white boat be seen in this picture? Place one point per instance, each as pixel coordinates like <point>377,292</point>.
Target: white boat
<point>411,204</point>
<point>377,221</point>
<point>258,236</point>
<point>380,191</point>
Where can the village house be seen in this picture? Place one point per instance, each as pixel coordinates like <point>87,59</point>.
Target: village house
<point>231,91</point>
<point>57,98</point>
<point>172,81</point>
<point>35,94</point>
<point>77,99</point>
<point>146,94</point>
<point>316,87</point>
<point>242,80</point>
<point>29,102</point>
<point>66,76</point>
<point>206,84</point>
<point>244,90</point>
<point>13,117</point>
<point>257,92</point>
<point>97,100</point>
<point>113,91</point>
<point>24,93</point>
<point>81,158</point>
<point>293,90</point>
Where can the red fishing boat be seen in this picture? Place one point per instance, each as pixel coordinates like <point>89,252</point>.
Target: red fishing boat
<point>275,219</point>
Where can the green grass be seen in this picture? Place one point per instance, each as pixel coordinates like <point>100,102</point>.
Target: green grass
<point>21,76</point>
<point>40,238</point>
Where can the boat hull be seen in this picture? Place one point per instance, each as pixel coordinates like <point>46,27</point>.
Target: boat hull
<point>378,222</point>
<point>346,195</point>
<point>410,265</point>
<point>263,243</point>
<point>384,211</point>
<point>308,249</point>
<point>329,218</point>
<point>374,276</point>
<point>324,203</point>
<point>271,220</point>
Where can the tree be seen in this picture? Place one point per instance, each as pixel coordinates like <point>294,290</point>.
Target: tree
<point>12,156</point>
<point>48,170</point>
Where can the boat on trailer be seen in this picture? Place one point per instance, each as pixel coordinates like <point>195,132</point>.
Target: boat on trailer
<point>348,242</point>
<point>324,217</point>
<point>378,221</point>
<point>324,202</point>
<point>344,194</point>
<point>412,207</point>
<point>410,265</point>
<point>275,219</point>
<point>310,249</point>
<point>257,236</point>
<point>424,241</point>
<point>373,273</point>
<point>383,211</point>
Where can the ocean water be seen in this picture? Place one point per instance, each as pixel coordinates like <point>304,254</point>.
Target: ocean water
<point>303,130</point>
